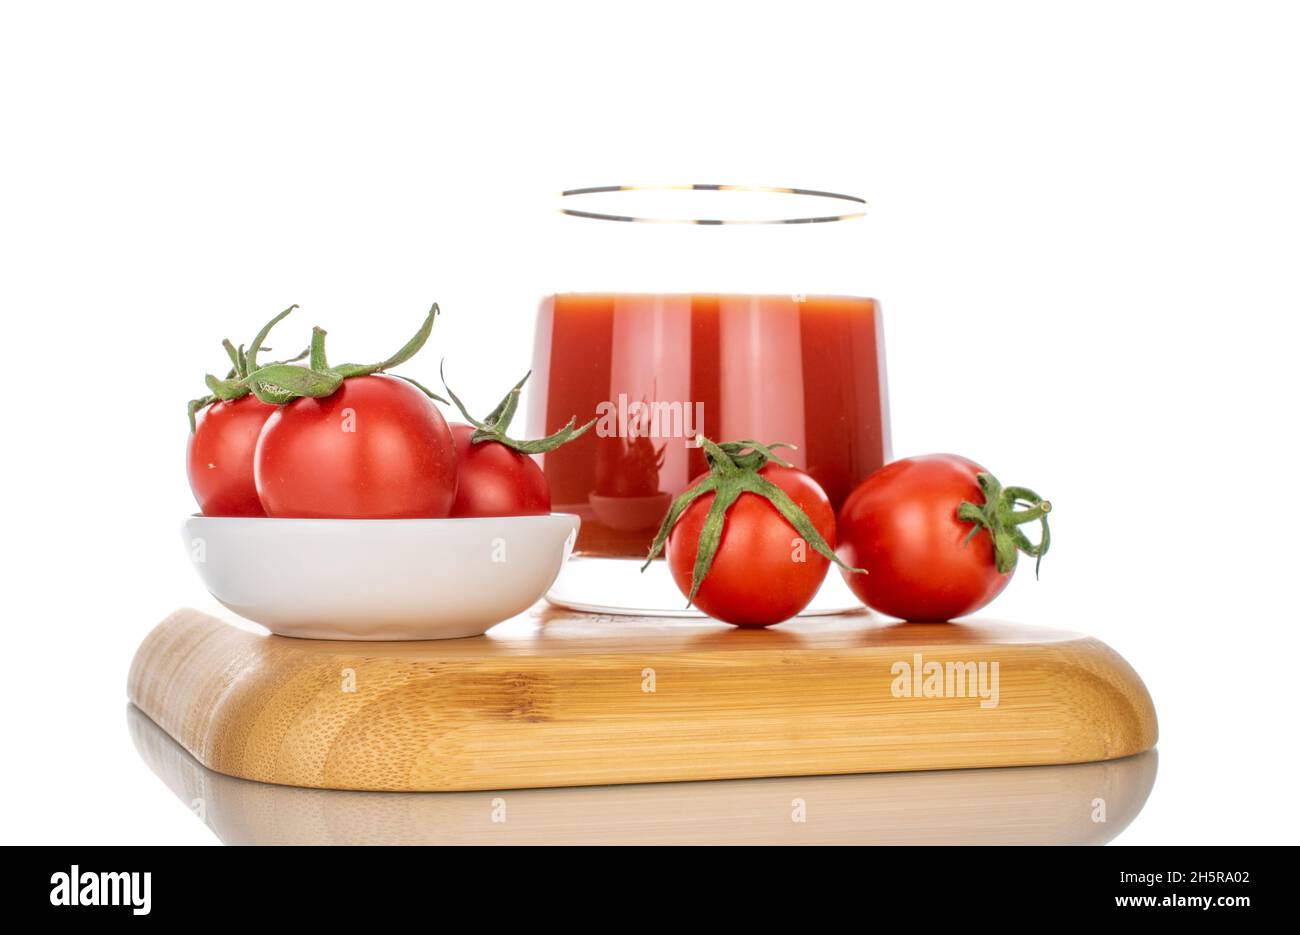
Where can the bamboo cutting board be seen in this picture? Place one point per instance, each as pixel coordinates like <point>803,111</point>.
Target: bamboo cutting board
<point>1079,803</point>
<point>555,698</point>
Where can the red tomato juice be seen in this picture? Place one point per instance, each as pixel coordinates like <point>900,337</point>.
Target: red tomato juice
<point>659,369</point>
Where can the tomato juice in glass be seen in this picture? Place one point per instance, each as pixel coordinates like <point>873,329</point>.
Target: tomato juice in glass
<point>656,368</point>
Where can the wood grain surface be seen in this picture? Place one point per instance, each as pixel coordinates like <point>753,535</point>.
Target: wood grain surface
<point>555,698</point>
<point>1079,803</point>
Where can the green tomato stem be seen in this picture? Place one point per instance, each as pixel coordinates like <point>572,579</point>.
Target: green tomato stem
<point>1001,516</point>
<point>493,428</point>
<point>282,382</point>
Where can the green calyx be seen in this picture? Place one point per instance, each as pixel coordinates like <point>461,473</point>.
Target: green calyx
<point>243,363</point>
<point>493,428</point>
<point>283,381</point>
<point>1003,512</point>
<point>733,470</point>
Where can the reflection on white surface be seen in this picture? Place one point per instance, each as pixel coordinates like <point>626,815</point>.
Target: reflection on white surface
<point>1087,803</point>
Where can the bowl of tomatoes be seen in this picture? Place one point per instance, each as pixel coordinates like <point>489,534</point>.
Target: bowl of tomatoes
<point>337,502</point>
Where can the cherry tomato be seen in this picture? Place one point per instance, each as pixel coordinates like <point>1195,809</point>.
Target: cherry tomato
<point>377,448</point>
<point>494,480</point>
<point>219,457</point>
<point>763,572</point>
<point>901,525</point>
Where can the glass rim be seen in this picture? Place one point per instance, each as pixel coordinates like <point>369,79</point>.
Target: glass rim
<point>712,222</point>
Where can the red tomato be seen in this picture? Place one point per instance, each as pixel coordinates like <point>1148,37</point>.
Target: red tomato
<point>377,448</point>
<point>493,480</point>
<point>763,571</point>
<point>901,525</point>
<point>219,457</point>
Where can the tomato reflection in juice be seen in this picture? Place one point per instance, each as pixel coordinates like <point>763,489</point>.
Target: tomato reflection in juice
<point>659,369</point>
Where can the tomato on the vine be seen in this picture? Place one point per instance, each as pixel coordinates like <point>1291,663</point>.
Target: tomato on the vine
<point>493,480</point>
<point>749,543</point>
<point>939,534</point>
<point>341,442</point>
<point>219,457</point>
<point>375,448</point>
<point>496,474</point>
<point>223,434</point>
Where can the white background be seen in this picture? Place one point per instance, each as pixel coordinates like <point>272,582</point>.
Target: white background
<point>1085,225</point>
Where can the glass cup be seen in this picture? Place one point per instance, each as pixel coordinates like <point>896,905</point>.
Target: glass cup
<point>724,311</point>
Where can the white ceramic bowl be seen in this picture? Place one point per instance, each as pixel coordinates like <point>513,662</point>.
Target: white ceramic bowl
<point>398,579</point>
